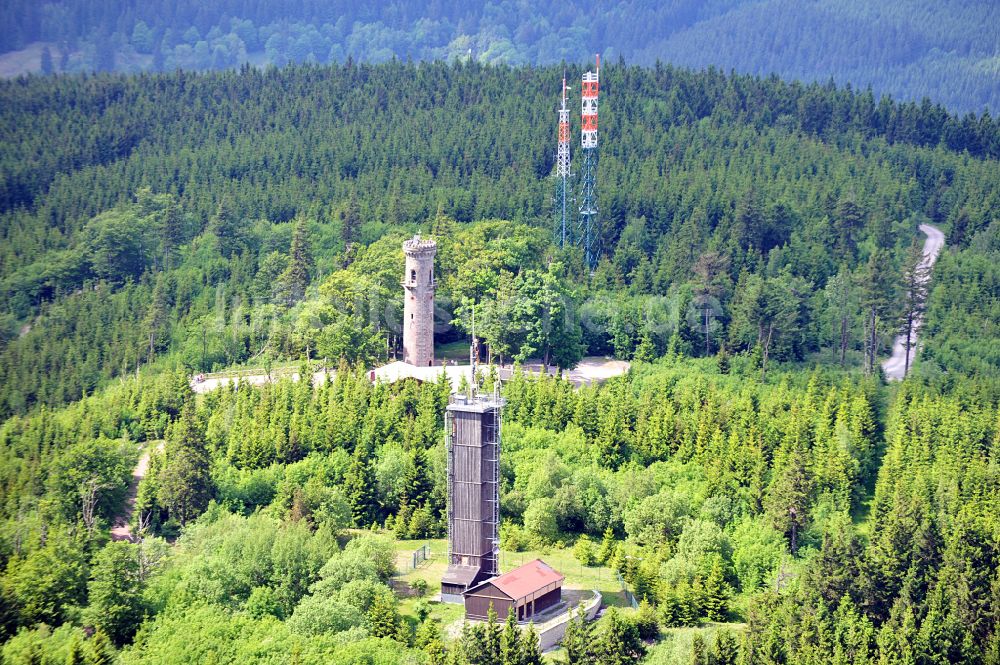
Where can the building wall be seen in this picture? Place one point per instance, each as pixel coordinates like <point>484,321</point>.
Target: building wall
<point>473,491</point>
<point>418,304</point>
<point>477,604</point>
<point>548,600</point>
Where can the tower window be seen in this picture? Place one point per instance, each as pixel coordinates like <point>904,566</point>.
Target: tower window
<point>413,276</point>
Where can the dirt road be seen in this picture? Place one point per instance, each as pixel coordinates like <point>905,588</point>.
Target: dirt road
<point>122,529</point>
<point>895,367</point>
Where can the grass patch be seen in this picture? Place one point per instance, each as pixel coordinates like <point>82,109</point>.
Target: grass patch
<point>458,351</point>
<point>577,576</point>
<point>674,645</point>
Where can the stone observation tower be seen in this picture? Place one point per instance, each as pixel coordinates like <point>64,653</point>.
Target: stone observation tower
<point>418,304</point>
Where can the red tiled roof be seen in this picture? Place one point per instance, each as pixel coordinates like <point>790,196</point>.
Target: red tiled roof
<point>527,579</point>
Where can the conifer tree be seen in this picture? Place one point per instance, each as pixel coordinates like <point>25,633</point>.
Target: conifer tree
<point>725,650</point>
<point>350,221</point>
<point>619,643</point>
<point>361,487</point>
<point>101,650</point>
<point>722,360</point>
<point>699,653</point>
<point>493,635</point>
<point>607,546</point>
<point>417,481</point>
<point>157,318</point>
<point>225,227</point>
<point>687,611</point>
<point>430,640</point>
<point>75,656</point>
<point>171,230</point>
<point>579,640</point>
<point>531,654</point>
<point>877,292</point>
<point>383,616</point>
<point>510,642</point>
<point>481,642</point>
<point>300,263</point>
<point>788,495</point>
<point>716,596</point>
<point>185,485</point>
<point>401,523</point>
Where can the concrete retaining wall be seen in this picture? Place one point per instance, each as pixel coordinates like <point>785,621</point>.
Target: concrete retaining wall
<point>551,632</point>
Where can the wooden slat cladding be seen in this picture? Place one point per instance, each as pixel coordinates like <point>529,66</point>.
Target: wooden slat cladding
<point>473,458</point>
<point>477,602</point>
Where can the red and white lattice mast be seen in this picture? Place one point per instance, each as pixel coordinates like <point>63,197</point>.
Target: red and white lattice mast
<point>562,165</point>
<point>589,228</point>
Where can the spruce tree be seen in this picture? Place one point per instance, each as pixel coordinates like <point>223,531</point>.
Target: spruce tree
<point>510,642</point>
<point>383,616</point>
<point>417,481</point>
<point>687,604</point>
<point>101,650</point>
<point>361,487</point>
<point>531,654</point>
<point>493,635</point>
<point>699,653</point>
<point>716,594</point>
<point>225,227</point>
<point>75,656</point>
<point>646,621</point>
<point>300,263</point>
<point>185,485</point>
<point>619,642</point>
<point>607,546</point>
<point>579,640</point>
<point>788,494</point>
<point>350,221</point>
<point>722,360</point>
<point>481,642</point>
<point>725,650</point>
<point>157,318</point>
<point>401,524</point>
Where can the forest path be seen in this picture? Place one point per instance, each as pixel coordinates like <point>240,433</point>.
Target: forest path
<point>590,370</point>
<point>895,367</point>
<point>254,377</point>
<point>122,529</point>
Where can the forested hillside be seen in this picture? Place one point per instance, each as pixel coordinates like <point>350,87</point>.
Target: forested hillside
<point>762,491</point>
<point>907,48</point>
<point>206,218</point>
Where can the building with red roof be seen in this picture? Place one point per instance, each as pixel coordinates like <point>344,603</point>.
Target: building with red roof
<point>530,589</point>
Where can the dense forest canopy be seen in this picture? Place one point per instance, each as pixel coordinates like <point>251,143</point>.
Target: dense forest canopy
<point>157,215</point>
<point>907,48</point>
<point>760,489</point>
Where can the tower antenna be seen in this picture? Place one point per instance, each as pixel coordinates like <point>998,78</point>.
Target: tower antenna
<point>563,166</point>
<point>589,224</point>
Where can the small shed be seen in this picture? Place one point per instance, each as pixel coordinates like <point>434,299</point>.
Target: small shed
<point>530,589</point>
